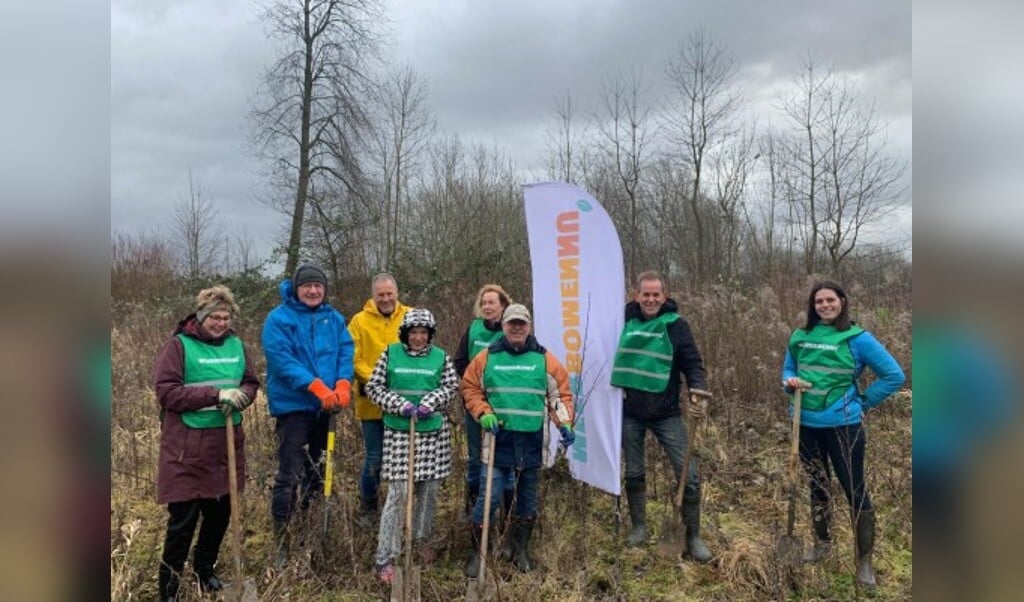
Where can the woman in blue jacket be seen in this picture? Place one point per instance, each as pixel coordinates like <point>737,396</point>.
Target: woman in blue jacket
<point>825,359</point>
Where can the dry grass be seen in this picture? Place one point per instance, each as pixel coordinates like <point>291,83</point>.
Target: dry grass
<point>742,449</point>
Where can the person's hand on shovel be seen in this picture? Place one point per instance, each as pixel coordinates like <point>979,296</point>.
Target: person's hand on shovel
<point>697,408</point>
<point>230,400</point>
<point>795,382</point>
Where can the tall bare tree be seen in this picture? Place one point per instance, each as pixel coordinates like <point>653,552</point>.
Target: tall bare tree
<point>841,177</point>
<point>623,125</point>
<point>701,116</point>
<point>310,113</point>
<point>405,128</point>
<point>196,224</point>
<point>563,140</point>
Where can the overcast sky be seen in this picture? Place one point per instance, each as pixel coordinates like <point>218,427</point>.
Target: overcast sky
<point>183,74</point>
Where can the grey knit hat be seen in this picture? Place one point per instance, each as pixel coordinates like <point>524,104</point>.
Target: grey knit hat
<point>307,273</point>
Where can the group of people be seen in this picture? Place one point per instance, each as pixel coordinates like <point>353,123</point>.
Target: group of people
<point>510,386</point>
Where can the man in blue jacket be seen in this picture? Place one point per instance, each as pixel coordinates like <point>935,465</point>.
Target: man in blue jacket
<point>309,375</point>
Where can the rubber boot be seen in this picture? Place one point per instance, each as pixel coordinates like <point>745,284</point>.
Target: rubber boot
<point>168,584</point>
<point>865,547</point>
<point>280,544</point>
<point>820,518</point>
<point>637,500</point>
<point>470,502</point>
<point>522,529</point>
<point>367,513</point>
<point>473,566</point>
<point>697,549</point>
<point>506,544</point>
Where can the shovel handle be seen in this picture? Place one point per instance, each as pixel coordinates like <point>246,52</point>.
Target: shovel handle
<point>487,504</point>
<point>410,485</point>
<point>794,446</point>
<point>691,436</point>
<point>236,532</point>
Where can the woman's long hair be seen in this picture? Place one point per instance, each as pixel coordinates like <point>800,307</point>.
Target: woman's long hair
<point>842,321</point>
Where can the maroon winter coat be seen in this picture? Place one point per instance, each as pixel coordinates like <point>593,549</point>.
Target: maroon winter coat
<point>193,462</point>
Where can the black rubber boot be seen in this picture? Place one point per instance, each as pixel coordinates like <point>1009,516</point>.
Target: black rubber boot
<point>865,548</point>
<point>367,514</point>
<point>168,584</point>
<point>280,544</point>
<point>697,549</point>
<point>637,500</point>
<point>821,518</point>
<point>473,566</point>
<point>506,544</point>
<point>522,529</point>
<point>470,502</point>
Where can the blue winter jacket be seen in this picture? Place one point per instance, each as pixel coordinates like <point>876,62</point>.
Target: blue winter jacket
<point>302,344</point>
<point>867,351</point>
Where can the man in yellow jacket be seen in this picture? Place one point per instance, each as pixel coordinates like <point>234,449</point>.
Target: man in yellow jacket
<point>372,330</point>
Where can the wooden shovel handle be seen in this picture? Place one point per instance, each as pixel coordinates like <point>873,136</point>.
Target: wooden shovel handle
<point>691,436</point>
<point>236,531</point>
<point>487,504</point>
<point>794,446</point>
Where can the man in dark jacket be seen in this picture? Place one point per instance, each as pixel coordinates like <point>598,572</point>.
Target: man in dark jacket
<point>656,351</point>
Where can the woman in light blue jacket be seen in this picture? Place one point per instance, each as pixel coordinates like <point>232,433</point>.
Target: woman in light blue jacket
<point>825,359</point>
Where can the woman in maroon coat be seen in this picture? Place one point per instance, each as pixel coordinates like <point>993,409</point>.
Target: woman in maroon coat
<point>203,378</point>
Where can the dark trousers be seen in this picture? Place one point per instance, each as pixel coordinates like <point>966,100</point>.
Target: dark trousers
<point>301,441</point>
<point>373,443</point>
<point>181,524</point>
<point>672,436</point>
<point>841,449</point>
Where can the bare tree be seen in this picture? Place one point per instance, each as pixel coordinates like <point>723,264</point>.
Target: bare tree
<point>702,116</point>
<point>564,139</point>
<point>840,176</point>
<point>402,136</point>
<point>196,225</point>
<point>309,115</point>
<point>623,129</point>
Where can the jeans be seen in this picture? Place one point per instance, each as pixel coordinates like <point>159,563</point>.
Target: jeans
<point>670,433</point>
<point>843,448</point>
<point>373,442</point>
<point>473,447</point>
<point>522,483</point>
<point>301,441</point>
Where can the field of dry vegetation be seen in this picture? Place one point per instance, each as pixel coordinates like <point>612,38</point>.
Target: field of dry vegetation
<point>742,333</point>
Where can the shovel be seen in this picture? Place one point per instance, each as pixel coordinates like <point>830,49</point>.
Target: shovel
<point>406,585</point>
<point>244,588</point>
<point>480,588</point>
<point>789,549</point>
<point>332,425</point>
<point>672,543</point>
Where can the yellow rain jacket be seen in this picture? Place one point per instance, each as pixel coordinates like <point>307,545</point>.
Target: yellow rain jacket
<point>372,332</point>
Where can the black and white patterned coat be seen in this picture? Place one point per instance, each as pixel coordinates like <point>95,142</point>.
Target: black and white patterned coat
<point>433,448</point>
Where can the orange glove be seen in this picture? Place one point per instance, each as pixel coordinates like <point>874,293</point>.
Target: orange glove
<point>328,399</point>
<point>343,389</point>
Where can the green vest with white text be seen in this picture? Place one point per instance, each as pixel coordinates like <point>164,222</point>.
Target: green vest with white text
<point>480,337</point>
<point>823,358</point>
<point>221,366</point>
<point>644,358</point>
<point>516,387</point>
<point>413,377</point>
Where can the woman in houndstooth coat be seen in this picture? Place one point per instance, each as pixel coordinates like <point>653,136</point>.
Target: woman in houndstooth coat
<point>412,379</point>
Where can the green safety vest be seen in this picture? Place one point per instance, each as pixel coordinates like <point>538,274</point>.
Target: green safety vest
<point>221,366</point>
<point>413,377</point>
<point>823,358</point>
<point>480,337</point>
<point>644,358</point>
<point>516,387</point>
